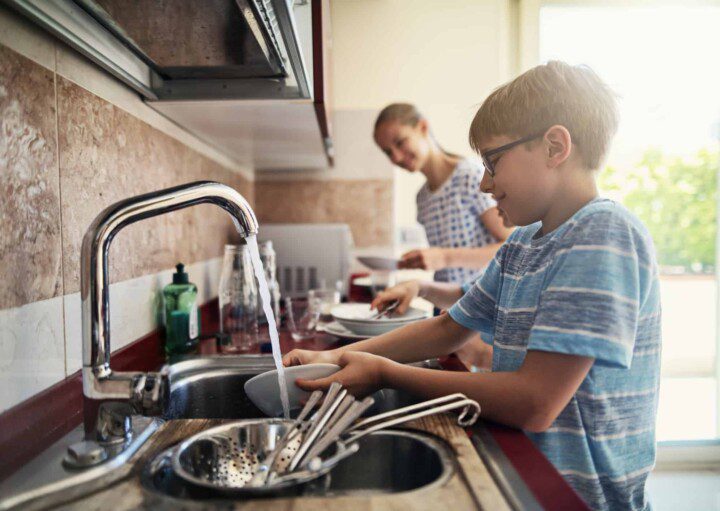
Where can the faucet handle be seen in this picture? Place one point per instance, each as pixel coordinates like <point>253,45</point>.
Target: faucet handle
<point>151,393</point>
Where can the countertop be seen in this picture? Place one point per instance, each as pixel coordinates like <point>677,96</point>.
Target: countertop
<point>470,487</point>
<point>497,467</point>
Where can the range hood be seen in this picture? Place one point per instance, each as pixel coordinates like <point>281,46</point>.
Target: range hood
<point>180,49</point>
<point>248,77</point>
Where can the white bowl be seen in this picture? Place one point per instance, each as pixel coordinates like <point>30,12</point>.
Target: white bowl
<point>379,263</point>
<point>264,389</point>
<point>361,313</point>
<point>356,317</point>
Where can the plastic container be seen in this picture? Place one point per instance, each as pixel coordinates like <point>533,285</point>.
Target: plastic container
<point>182,317</point>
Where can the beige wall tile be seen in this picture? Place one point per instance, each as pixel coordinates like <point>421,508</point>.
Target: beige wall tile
<point>365,205</point>
<point>30,207</point>
<point>107,155</point>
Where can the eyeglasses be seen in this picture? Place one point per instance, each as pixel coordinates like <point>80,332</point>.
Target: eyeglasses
<point>489,166</point>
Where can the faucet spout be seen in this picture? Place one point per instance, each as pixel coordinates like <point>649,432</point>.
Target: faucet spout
<point>146,392</point>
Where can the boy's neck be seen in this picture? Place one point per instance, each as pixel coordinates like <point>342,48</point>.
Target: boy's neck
<point>572,196</point>
<point>438,168</point>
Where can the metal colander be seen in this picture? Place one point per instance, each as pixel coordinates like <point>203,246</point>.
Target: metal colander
<point>228,457</point>
<point>262,456</point>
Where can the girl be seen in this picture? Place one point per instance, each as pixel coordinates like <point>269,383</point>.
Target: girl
<point>463,225</point>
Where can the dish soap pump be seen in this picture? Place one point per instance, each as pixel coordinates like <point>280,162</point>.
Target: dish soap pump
<point>182,318</point>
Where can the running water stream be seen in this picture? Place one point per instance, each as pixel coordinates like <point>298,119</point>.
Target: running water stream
<point>272,326</point>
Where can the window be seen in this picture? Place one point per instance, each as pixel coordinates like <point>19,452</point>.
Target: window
<point>662,61</point>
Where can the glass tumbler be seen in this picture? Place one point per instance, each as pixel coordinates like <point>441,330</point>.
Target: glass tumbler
<point>380,280</point>
<point>326,300</point>
<point>302,317</point>
<point>238,300</point>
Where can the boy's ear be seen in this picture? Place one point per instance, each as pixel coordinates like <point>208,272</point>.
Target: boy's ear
<point>558,145</point>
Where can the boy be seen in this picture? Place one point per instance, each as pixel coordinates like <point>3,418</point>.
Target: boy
<point>570,302</point>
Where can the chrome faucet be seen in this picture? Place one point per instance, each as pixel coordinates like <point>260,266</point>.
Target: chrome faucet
<point>147,393</point>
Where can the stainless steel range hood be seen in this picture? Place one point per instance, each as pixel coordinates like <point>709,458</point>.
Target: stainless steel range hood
<point>180,49</point>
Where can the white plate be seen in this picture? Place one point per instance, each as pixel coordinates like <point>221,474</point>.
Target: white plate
<point>361,313</point>
<point>264,389</point>
<point>362,282</point>
<point>338,330</point>
<point>379,263</point>
<point>355,317</point>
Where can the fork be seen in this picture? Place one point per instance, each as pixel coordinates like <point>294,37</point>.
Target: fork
<point>387,310</point>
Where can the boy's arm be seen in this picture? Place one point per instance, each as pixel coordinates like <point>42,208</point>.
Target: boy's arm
<point>421,340</point>
<point>530,398</point>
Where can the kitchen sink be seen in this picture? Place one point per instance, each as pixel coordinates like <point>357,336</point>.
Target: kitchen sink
<point>213,388</point>
<point>389,461</point>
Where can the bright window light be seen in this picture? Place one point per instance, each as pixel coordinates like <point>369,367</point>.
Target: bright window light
<point>662,62</point>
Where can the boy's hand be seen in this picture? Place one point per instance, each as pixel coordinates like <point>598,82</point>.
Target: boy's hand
<point>404,292</point>
<point>361,374</point>
<point>432,258</point>
<point>302,357</point>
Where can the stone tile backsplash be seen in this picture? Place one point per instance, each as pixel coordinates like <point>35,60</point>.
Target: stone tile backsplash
<point>366,205</point>
<point>66,154</point>
<point>30,235</point>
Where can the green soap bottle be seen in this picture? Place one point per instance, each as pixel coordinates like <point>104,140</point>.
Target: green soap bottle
<point>182,317</point>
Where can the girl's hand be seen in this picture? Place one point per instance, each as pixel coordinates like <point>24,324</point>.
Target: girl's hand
<point>432,258</point>
<point>361,374</point>
<point>405,292</point>
<point>302,357</point>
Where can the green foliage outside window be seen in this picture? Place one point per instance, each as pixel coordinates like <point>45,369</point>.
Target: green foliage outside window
<point>677,200</point>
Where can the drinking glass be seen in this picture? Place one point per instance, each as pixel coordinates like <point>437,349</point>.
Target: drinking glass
<point>381,280</point>
<point>302,315</point>
<point>238,299</point>
<point>326,300</point>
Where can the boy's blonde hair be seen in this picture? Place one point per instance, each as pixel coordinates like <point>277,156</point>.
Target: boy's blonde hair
<point>549,94</point>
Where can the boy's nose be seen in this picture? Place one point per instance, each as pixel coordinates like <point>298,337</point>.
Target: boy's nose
<point>486,184</point>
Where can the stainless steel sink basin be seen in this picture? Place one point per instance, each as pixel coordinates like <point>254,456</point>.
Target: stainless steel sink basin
<point>212,388</point>
<point>388,461</point>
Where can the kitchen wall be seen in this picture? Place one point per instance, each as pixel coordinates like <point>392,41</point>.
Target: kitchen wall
<point>72,141</point>
<point>443,56</point>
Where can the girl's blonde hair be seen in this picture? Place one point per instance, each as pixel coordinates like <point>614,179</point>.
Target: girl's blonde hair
<point>549,94</point>
<point>406,114</point>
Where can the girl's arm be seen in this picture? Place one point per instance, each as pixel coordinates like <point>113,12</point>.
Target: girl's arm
<point>441,294</point>
<point>434,337</point>
<point>437,258</point>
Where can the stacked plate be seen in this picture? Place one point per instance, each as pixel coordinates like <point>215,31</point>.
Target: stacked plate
<point>358,319</point>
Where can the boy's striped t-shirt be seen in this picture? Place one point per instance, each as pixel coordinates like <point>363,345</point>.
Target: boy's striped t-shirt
<point>588,288</point>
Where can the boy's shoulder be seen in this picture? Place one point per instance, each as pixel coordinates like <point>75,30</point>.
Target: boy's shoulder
<point>605,219</point>
<point>600,222</point>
